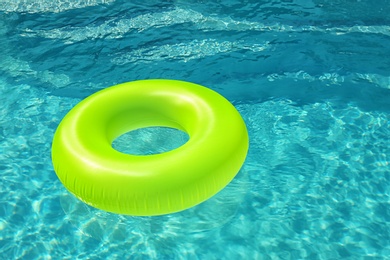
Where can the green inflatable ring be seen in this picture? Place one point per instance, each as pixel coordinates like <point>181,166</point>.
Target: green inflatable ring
<point>145,185</point>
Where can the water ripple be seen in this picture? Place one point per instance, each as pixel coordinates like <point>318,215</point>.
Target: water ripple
<point>42,6</point>
<point>114,28</point>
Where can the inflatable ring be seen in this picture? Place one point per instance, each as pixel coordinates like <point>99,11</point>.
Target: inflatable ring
<point>144,185</point>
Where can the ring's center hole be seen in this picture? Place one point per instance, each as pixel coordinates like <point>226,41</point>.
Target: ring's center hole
<point>150,140</point>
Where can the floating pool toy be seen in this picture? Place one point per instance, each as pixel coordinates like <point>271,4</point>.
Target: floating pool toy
<point>144,185</point>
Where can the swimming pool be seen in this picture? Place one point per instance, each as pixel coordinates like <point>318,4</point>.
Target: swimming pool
<point>310,78</point>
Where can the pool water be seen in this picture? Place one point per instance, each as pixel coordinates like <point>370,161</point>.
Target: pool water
<point>310,78</point>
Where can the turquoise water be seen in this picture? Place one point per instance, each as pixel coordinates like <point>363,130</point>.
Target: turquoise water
<point>310,78</point>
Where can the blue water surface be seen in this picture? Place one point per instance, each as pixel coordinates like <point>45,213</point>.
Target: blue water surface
<point>310,78</point>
